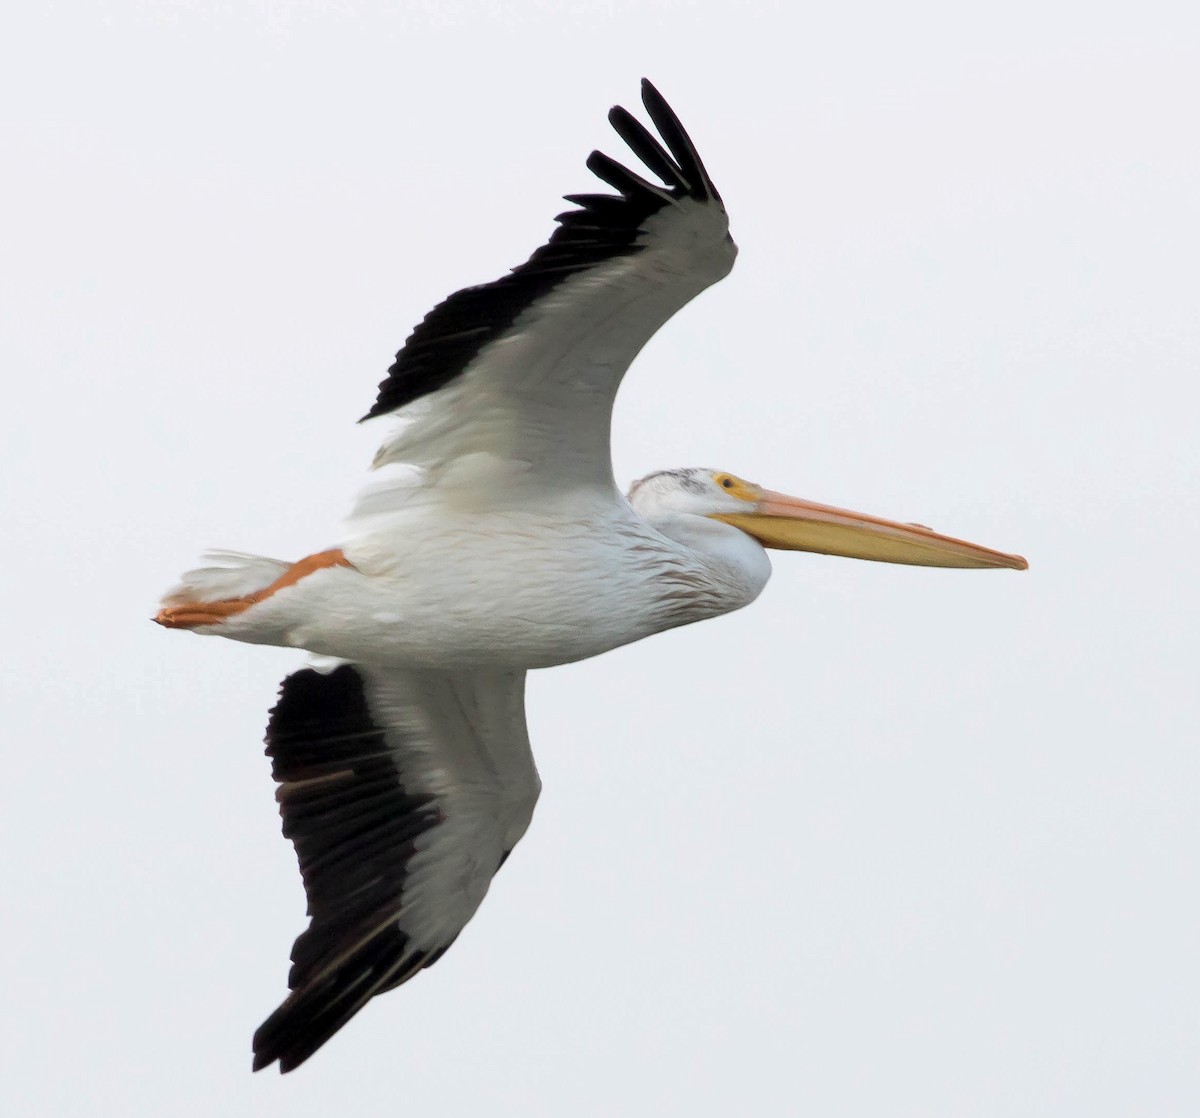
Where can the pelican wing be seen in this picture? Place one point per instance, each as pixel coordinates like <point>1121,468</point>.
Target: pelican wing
<point>403,792</point>
<point>521,373</point>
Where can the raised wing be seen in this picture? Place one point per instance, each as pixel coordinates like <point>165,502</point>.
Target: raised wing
<point>403,792</point>
<point>523,371</point>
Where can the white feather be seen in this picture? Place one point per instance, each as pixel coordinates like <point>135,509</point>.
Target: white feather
<point>230,574</point>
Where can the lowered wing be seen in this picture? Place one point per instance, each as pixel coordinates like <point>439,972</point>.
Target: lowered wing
<point>403,792</point>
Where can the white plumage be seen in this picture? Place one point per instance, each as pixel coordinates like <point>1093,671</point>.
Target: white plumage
<point>497,542</point>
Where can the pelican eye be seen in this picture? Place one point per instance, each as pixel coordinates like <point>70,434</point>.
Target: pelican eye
<point>735,487</point>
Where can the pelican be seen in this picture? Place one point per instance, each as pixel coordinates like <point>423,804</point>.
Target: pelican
<point>497,541</point>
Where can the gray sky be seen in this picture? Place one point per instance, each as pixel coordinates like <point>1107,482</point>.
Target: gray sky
<point>891,841</point>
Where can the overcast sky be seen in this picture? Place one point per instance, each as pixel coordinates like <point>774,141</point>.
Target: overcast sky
<point>889,842</point>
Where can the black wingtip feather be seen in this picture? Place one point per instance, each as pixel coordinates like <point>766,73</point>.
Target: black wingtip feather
<point>678,141</point>
<point>621,178</point>
<point>647,148</point>
<point>312,1015</point>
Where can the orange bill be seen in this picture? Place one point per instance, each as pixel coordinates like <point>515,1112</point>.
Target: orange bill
<point>792,524</point>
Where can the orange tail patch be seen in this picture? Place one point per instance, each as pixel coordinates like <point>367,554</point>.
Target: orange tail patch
<point>191,614</point>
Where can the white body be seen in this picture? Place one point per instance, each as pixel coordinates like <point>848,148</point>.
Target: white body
<point>515,588</point>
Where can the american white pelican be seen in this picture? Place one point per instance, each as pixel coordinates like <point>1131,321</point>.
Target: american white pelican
<point>404,768</point>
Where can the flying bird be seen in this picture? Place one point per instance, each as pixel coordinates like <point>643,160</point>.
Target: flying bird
<point>497,542</point>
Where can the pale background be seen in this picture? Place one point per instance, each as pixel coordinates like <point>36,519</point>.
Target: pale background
<point>891,841</point>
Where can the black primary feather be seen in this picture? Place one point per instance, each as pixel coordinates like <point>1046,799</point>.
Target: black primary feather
<point>353,823</point>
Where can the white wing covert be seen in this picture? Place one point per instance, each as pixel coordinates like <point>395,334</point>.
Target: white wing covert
<point>523,371</point>
<point>403,792</point>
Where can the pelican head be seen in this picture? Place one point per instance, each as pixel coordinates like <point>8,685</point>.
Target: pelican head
<point>793,524</point>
